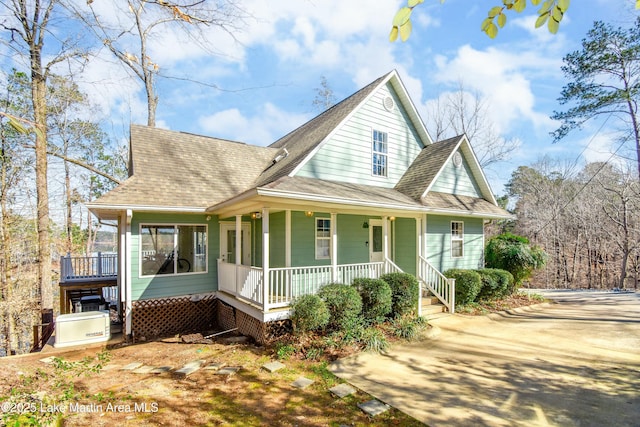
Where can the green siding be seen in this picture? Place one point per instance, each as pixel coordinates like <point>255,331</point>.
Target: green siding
<point>439,243</point>
<point>453,180</point>
<point>352,239</point>
<point>182,284</point>
<point>404,239</point>
<point>346,156</point>
<point>277,249</point>
<point>303,239</point>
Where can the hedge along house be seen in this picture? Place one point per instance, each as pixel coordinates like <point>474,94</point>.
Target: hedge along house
<point>210,227</point>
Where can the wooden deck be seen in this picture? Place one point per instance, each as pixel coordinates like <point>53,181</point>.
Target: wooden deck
<point>87,275</point>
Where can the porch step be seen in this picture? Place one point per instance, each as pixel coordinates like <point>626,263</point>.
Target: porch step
<point>430,300</point>
<point>432,308</point>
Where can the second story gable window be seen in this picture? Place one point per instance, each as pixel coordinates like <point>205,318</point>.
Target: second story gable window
<point>379,153</point>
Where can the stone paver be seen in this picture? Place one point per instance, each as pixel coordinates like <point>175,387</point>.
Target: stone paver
<point>373,407</point>
<point>131,366</point>
<point>228,370</point>
<point>342,390</point>
<point>571,363</point>
<point>302,383</point>
<point>214,366</point>
<point>144,369</point>
<point>190,368</point>
<point>273,366</point>
<point>161,369</point>
<point>48,360</point>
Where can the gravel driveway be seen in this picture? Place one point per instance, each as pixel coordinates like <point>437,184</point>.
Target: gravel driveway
<point>573,362</point>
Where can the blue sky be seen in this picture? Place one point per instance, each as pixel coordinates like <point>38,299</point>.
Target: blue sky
<point>269,73</point>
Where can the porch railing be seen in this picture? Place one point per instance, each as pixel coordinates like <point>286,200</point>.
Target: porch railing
<point>98,267</point>
<point>439,285</point>
<point>288,283</point>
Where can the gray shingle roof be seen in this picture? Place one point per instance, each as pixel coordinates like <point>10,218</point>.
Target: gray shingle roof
<point>425,167</point>
<point>452,202</point>
<point>176,169</point>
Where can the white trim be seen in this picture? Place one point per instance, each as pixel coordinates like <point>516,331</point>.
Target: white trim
<point>175,226</point>
<point>456,238</point>
<point>265,258</point>
<point>287,238</point>
<point>315,234</point>
<point>146,208</point>
<point>128,216</point>
<point>386,154</point>
<point>333,251</point>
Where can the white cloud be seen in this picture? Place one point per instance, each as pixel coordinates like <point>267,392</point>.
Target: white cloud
<point>266,127</point>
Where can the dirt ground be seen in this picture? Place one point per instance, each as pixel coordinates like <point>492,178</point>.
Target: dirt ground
<point>251,397</point>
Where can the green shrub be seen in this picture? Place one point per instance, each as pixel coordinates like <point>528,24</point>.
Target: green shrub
<point>468,285</point>
<point>310,313</point>
<point>514,254</point>
<point>404,292</point>
<point>376,299</point>
<point>374,340</point>
<point>496,283</point>
<point>344,304</point>
<point>409,327</point>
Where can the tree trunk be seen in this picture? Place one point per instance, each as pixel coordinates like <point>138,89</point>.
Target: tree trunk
<point>38,92</point>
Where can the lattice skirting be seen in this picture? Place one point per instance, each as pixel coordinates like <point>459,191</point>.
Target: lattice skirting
<point>168,316</point>
<point>262,333</point>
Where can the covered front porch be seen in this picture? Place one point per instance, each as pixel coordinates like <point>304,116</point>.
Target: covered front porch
<point>255,283</point>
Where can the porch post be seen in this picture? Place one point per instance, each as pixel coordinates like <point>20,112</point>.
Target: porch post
<point>424,236</point>
<point>265,258</point>
<point>238,253</point>
<point>287,238</point>
<point>334,248</point>
<point>418,263</point>
<point>127,273</point>
<point>385,238</point>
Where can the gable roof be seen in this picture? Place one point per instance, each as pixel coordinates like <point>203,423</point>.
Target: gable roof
<point>426,167</point>
<point>177,170</point>
<point>304,141</point>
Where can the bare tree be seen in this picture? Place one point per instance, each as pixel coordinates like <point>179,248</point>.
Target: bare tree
<point>462,112</point>
<point>27,30</point>
<point>139,21</point>
<point>325,97</point>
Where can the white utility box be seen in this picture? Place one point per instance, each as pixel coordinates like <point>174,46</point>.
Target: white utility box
<point>82,328</point>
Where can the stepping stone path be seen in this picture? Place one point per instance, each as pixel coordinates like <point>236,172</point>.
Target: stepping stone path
<point>144,369</point>
<point>214,367</point>
<point>189,368</point>
<point>131,366</point>
<point>373,407</point>
<point>302,383</point>
<point>273,366</point>
<point>342,390</point>
<point>228,370</point>
<point>48,360</point>
<point>161,370</point>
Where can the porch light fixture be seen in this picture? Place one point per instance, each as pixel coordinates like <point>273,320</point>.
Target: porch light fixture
<point>256,215</point>
<point>308,214</point>
<point>365,224</point>
<point>392,218</point>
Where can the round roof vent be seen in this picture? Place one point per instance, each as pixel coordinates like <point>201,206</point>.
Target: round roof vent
<point>388,103</point>
<point>457,159</point>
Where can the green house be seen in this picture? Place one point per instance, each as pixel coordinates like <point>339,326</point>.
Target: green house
<point>241,230</point>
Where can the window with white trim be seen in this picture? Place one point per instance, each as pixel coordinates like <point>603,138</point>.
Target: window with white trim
<point>379,153</point>
<point>170,249</point>
<point>457,239</point>
<point>323,238</point>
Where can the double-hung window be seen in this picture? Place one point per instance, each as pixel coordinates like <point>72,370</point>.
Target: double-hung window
<point>172,249</point>
<point>379,153</point>
<point>457,239</point>
<point>323,238</point>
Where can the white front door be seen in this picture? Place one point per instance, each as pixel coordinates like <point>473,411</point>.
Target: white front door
<point>228,243</point>
<point>376,253</point>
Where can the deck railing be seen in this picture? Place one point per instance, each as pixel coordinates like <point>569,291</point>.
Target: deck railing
<point>439,285</point>
<point>84,268</point>
<point>288,283</point>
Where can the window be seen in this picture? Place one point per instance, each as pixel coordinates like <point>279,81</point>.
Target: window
<point>323,238</point>
<point>379,153</point>
<point>457,239</point>
<point>173,249</point>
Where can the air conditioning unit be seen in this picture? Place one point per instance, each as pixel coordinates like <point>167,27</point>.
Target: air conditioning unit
<point>82,328</point>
